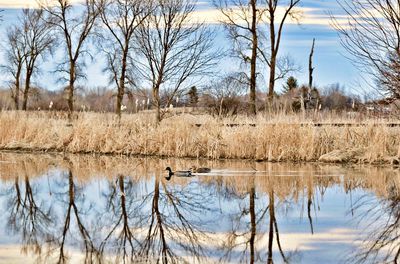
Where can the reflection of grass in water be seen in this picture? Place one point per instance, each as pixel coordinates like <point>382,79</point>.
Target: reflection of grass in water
<point>286,178</point>
<point>278,138</point>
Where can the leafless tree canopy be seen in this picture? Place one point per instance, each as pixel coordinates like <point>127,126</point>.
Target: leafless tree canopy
<point>121,19</point>
<point>243,21</point>
<point>174,48</point>
<point>256,37</point>
<point>26,42</point>
<point>38,40</point>
<point>382,238</point>
<point>14,48</point>
<point>372,38</point>
<point>74,24</point>
<point>223,97</point>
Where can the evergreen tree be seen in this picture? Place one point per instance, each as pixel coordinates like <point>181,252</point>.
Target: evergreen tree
<point>193,96</point>
<point>290,85</point>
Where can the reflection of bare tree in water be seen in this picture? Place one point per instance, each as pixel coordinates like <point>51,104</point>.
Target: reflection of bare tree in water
<point>121,204</point>
<point>246,238</point>
<point>29,217</point>
<point>137,232</point>
<point>382,226</point>
<point>174,223</point>
<point>310,199</point>
<point>72,211</point>
<point>315,187</point>
<point>155,240</point>
<point>273,228</point>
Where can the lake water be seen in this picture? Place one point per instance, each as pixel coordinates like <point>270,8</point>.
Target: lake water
<point>73,209</point>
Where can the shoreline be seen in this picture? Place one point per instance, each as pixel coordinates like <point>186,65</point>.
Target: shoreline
<point>384,162</point>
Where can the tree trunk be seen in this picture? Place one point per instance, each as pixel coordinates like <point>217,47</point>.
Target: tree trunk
<point>157,103</point>
<point>71,89</point>
<point>253,74</point>
<point>303,105</point>
<point>309,202</point>
<point>121,86</point>
<point>156,88</point>
<point>310,66</point>
<point>26,90</point>
<point>16,94</point>
<point>271,85</point>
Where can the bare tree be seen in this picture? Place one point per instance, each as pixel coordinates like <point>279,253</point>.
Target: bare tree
<point>275,36</point>
<point>15,58</point>
<point>243,21</point>
<point>246,25</point>
<point>224,96</point>
<point>121,18</point>
<point>241,240</point>
<point>372,38</point>
<point>175,48</point>
<point>306,91</point>
<point>75,27</point>
<point>37,39</point>
<point>310,66</point>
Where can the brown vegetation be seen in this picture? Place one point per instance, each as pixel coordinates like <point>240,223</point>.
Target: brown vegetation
<point>276,139</point>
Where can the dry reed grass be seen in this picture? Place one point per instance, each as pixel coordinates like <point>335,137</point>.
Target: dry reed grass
<point>276,138</point>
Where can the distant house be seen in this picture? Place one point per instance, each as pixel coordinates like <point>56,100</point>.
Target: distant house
<point>383,107</point>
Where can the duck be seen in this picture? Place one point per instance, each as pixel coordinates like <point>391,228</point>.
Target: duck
<point>171,173</point>
<point>194,169</point>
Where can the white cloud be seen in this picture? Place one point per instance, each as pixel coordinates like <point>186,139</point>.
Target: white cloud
<point>25,3</point>
<point>310,16</point>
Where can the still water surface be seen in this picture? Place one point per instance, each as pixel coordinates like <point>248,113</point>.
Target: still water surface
<point>77,209</point>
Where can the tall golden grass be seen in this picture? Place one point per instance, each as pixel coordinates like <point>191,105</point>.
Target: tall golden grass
<point>277,138</point>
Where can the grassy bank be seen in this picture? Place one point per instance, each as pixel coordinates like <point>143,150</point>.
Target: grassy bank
<point>278,138</point>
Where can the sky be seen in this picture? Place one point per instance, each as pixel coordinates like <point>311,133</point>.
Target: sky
<point>330,62</point>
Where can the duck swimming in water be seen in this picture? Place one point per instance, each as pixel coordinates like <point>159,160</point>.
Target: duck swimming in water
<point>171,173</point>
<point>194,169</point>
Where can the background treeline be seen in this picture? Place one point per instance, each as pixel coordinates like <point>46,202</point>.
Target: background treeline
<point>214,99</point>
